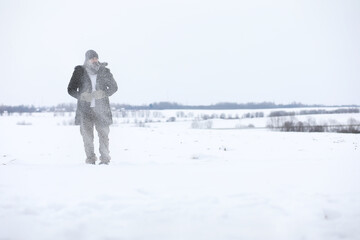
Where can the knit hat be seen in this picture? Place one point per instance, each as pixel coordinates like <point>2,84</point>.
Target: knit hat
<point>91,54</point>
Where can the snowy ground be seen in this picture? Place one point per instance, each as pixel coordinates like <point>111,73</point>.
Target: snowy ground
<point>169,181</point>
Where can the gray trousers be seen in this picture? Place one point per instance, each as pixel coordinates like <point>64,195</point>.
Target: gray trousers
<point>88,121</point>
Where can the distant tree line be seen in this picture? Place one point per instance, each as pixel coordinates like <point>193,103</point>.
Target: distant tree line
<point>71,107</point>
<point>218,106</point>
<point>65,107</point>
<point>314,112</point>
<point>293,125</point>
<point>222,106</point>
<point>20,108</point>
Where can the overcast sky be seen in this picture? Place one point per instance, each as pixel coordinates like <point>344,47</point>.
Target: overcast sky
<point>188,51</point>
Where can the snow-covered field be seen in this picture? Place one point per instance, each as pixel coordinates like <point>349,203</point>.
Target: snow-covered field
<point>168,180</point>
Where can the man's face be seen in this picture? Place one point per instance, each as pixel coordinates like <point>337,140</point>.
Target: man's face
<point>93,60</point>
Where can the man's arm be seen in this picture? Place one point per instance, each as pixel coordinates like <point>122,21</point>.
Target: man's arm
<point>112,86</point>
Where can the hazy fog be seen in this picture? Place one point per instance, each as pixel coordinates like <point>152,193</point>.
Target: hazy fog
<point>191,52</point>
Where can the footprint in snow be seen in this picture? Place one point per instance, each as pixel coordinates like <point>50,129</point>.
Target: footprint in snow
<point>6,159</point>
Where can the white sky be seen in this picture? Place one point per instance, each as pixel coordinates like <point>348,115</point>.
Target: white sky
<point>190,51</point>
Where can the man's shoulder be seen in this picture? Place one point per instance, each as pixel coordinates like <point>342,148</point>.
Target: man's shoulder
<point>104,70</point>
<point>79,67</point>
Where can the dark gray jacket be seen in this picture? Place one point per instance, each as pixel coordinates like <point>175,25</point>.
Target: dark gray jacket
<point>80,82</point>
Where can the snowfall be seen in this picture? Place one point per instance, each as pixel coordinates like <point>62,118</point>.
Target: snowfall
<point>171,180</point>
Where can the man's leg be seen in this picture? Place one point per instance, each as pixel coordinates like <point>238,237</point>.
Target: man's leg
<point>87,132</point>
<point>103,133</point>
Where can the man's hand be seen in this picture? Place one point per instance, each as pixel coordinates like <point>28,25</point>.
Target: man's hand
<point>85,96</point>
<point>99,94</point>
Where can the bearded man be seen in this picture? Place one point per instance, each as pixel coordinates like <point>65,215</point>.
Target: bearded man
<point>92,84</point>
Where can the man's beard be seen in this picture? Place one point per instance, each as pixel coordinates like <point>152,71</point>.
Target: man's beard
<point>93,68</point>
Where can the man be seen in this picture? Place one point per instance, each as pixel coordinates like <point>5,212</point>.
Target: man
<point>92,84</point>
